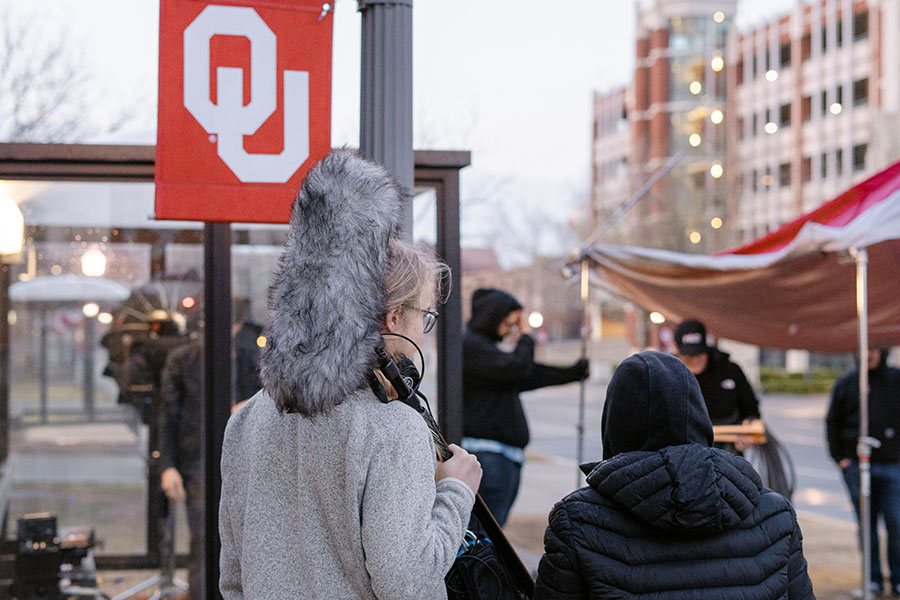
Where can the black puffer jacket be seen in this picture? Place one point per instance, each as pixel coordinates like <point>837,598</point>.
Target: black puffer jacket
<point>665,516</point>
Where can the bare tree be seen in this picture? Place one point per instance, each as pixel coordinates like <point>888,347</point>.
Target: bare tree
<point>46,91</point>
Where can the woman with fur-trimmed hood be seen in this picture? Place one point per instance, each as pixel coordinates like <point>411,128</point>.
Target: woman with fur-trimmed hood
<point>328,492</point>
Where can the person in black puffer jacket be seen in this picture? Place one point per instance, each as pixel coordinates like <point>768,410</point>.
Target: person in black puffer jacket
<point>494,425</point>
<point>664,515</point>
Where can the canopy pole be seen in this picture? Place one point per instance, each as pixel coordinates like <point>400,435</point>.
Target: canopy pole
<point>585,333</point>
<point>864,443</point>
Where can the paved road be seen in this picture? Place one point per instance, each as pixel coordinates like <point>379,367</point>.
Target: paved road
<point>797,422</point>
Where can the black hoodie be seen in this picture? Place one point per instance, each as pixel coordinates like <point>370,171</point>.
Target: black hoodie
<point>492,378</point>
<point>842,422</point>
<point>665,516</point>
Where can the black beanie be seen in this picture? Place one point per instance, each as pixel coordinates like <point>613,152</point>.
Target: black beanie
<point>653,401</point>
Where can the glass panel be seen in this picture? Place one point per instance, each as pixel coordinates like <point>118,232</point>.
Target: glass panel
<point>685,71</point>
<point>80,444</point>
<point>687,123</point>
<point>687,32</point>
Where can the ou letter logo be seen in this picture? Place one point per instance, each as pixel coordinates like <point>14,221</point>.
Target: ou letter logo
<point>229,120</point>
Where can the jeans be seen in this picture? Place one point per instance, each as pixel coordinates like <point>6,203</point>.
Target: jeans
<point>884,501</point>
<point>499,483</point>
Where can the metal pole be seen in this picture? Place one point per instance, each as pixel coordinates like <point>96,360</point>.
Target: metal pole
<point>90,337</point>
<point>217,379</point>
<point>864,445</point>
<point>385,122</point>
<point>4,362</point>
<point>585,333</point>
<point>43,371</point>
<point>450,407</point>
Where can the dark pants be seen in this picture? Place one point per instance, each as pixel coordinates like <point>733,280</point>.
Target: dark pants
<point>885,501</point>
<point>193,487</point>
<point>499,483</point>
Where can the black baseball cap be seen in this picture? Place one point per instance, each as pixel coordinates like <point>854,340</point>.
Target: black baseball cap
<point>690,337</point>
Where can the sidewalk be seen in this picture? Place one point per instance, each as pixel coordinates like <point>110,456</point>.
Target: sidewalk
<point>828,544</point>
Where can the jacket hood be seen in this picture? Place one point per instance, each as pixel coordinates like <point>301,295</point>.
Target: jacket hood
<point>689,488</point>
<point>327,301</point>
<point>489,308</point>
<point>653,401</point>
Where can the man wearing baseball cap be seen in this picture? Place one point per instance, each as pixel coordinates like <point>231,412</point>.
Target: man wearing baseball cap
<point>729,397</point>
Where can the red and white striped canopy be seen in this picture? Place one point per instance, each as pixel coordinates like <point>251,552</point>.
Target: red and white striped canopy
<point>793,288</point>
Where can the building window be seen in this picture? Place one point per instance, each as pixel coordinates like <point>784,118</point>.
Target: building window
<point>785,55</point>
<point>754,178</point>
<point>768,60</point>
<point>859,157</point>
<point>755,72</point>
<point>739,73</point>
<point>699,180</point>
<point>755,129</point>
<point>824,165</point>
<point>838,38</point>
<point>805,108</point>
<point>805,47</point>
<point>840,94</point>
<point>861,91</point>
<point>824,102</point>
<point>687,32</point>
<point>806,169</point>
<point>768,115</point>
<point>740,128</point>
<point>785,114</point>
<point>839,162</point>
<point>860,26</point>
<point>784,174</point>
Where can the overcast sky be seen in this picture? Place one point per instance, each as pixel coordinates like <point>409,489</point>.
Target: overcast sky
<point>510,80</point>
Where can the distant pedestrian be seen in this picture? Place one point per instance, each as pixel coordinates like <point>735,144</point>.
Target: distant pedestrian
<point>842,425</point>
<point>729,397</point>
<point>664,516</point>
<point>495,428</point>
<point>181,398</point>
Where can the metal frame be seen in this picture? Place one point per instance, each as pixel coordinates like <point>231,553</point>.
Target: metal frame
<point>107,163</point>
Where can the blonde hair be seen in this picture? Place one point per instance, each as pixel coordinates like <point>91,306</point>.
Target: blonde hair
<point>413,268</point>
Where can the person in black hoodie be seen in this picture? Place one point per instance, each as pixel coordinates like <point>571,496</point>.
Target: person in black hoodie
<point>664,515</point>
<point>842,425</point>
<point>494,424</point>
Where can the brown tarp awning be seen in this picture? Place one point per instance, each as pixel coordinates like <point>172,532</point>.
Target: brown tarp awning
<point>794,288</point>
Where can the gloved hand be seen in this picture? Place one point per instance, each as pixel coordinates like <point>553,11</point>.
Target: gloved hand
<point>583,366</point>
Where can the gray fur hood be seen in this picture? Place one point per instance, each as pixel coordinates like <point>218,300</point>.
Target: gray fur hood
<point>326,303</point>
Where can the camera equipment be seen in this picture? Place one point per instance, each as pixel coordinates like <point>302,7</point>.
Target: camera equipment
<point>52,565</point>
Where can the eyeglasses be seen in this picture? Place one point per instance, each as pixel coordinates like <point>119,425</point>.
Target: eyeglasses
<point>429,318</point>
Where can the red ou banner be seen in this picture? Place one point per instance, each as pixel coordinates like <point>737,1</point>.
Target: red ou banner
<point>244,106</point>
